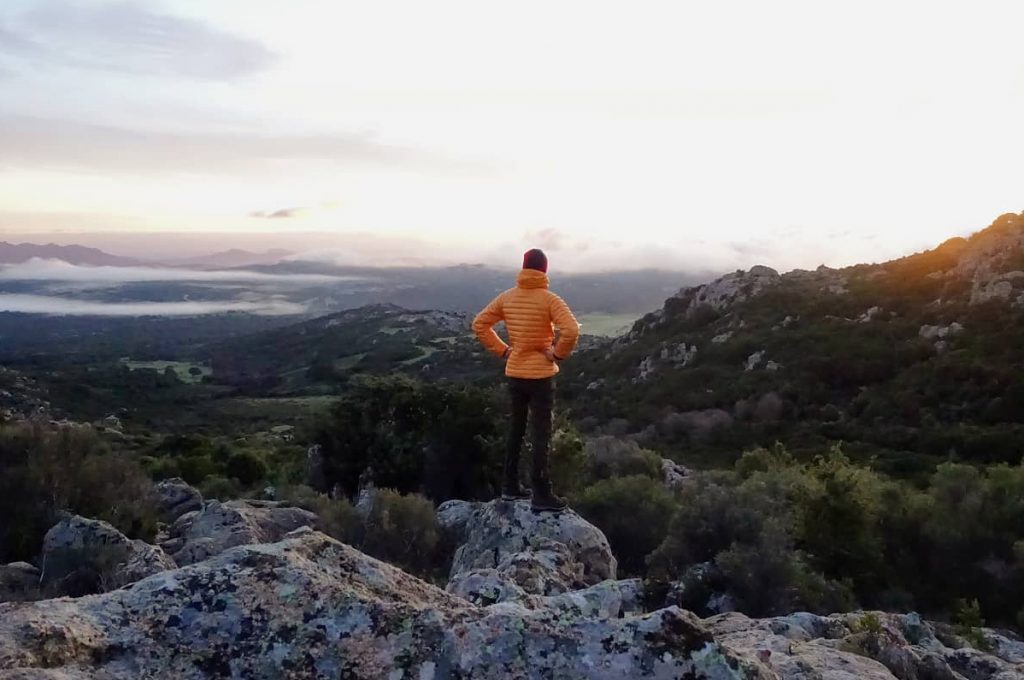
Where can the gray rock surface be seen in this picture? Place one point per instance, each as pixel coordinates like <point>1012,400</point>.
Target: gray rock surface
<point>82,555</point>
<point>310,607</point>
<point>218,526</point>
<point>544,553</point>
<point>673,474</point>
<point>731,289</point>
<point>175,497</point>
<point>804,646</point>
<point>19,581</point>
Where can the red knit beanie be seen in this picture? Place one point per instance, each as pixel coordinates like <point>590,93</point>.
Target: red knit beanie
<point>535,259</point>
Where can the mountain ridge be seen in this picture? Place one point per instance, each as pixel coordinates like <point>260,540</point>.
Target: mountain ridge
<point>921,344</point>
<point>17,253</point>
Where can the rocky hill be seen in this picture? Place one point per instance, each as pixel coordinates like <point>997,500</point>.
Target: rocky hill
<point>13,253</point>
<point>250,589</point>
<point>911,361</point>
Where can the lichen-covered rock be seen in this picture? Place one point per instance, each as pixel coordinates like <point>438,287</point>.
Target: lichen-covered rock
<point>310,607</point>
<point>86,555</point>
<point>731,289</point>
<point>453,516</point>
<point>864,645</point>
<point>19,581</point>
<point>175,497</point>
<point>673,474</point>
<point>545,552</point>
<point>219,526</point>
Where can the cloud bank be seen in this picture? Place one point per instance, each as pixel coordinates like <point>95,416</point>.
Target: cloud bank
<point>42,304</point>
<point>57,270</point>
<point>127,37</point>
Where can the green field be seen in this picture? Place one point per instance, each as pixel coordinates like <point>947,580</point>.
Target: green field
<point>607,325</point>
<point>182,368</point>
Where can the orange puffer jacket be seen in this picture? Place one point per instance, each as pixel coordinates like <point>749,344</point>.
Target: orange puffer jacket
<point>530,312</point>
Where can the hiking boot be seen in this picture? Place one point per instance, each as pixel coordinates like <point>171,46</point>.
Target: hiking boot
<point>514,493</point>
<point>548,502</point>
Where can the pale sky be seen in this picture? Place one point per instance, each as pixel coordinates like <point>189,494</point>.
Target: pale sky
<point>614,134</point>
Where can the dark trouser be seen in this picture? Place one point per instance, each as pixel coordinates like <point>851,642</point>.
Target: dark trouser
<point>537,397</point>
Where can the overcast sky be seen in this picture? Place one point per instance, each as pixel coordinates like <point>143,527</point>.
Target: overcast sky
<point>614,134</point>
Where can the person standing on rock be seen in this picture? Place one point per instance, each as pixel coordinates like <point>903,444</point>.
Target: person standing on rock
<point>530,312</point>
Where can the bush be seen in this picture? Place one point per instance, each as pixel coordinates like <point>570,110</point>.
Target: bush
<point>714,514</point>
<point>867,623</point>
<point>46,472</point>
<point>969,623</point>
<point>247,467</point>
<point>402,530</point>
<point>567,460</point>
<point>335,516</point>
<point>439,439</point>
<point>221,488</point>
<point>838,521</point>
<point>768,578</point>
<point>608,457</point>
<point>634,513</point>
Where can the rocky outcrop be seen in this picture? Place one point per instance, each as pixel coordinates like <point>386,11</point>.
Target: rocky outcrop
<point>175,497</point>
<point>990,261</point>
<point>731,289</point>
<point>540,553</point>
<point>310,607</point>
<point>673,474</point>
<point>871,645</point>
<point>86,555</point>
<point>199,535</point>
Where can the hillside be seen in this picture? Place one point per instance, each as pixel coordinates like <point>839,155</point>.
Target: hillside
<point>15,253</point>
<point>912,361</point>
<point>329,350</point>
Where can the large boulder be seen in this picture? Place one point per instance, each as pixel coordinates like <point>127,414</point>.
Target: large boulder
<point>19,581</point>
<point>86,555</point>
<point>218,526</point>
<point>175,497</point>
<point>310,607</point>
<point>543,553</point>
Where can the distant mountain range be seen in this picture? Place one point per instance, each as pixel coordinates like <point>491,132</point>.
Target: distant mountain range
<point>15,253</point>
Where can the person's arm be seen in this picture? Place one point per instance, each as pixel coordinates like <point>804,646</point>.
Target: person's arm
<point>483,326</point>
<point>568,326</point>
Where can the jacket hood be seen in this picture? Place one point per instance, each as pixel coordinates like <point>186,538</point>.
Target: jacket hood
<point>531,278</point>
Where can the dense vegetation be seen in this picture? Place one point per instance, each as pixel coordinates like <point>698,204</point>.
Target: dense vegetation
<point>855,366</point>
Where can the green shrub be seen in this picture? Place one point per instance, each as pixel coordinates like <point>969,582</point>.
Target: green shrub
<point>567,460</point>
<point>714,514</point>
<point>221,488</point>
<point>195,468</point>
<point>402,530</point>
<point>838,521</point>
<point>608,457</point>
<point>969,623</point>
<point>867,623</point>
<point>336,516</point>
<point>44,472</point>
<point>633,512</point>
<point>769,578</point>
<point>764,460</point>
<point>443,440</point>
<point>247,467</point>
